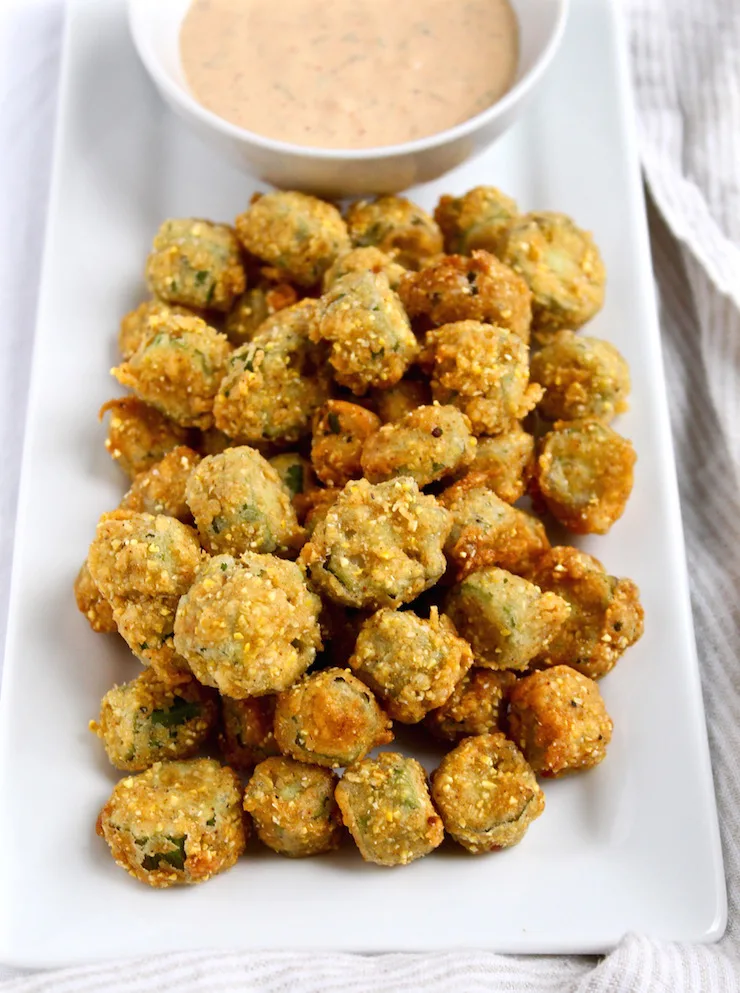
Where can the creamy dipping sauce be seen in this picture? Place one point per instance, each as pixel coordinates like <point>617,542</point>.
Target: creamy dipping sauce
<point>349,73</point>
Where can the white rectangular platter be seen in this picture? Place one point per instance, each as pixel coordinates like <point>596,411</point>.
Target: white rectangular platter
<point>631,846</point>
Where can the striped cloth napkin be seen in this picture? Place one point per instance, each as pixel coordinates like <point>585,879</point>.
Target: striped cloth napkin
<point>686,58</point>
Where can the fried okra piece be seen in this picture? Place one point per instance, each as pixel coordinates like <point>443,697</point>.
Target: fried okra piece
<point>146,624</point>
<point>606,615</point>
<point>428,444</point>
<point>293,807</point>
<point>371,340</point>
<point>477,705</point>
<point>161,489</point>
<point>474,220</point>
<point>153,718</point>
<point>368,259</point>
<point>177,822</point>
<point>297,476</point>
<point>484,371</point>
<point>340,430</point>
<point>138,324</point>
<point>253,307</point>
<point>584,474</point>
<point>558,719</point>
<point>386,807</point>
<point>486,793</point>
<point>488,531</point>
<point>582,377</point>
<point>248,626</point>
<point>397,401</point>
<point>92,603</point>
<point>506,619</point>
<point>240,504</point>
<point>378,545</point>
<point>300,236</point>
<point>247,730</point>
<point>196,263</point>
<point>561,265</point>
<point>317,506</point>
<point>178,370</point>
<point>503,464</point>
<point>412,664</point>
<point>274,383</point>
<point>468,288</point>
<point>397,227</point>
<point>330,718</point>
<point>138,435</point>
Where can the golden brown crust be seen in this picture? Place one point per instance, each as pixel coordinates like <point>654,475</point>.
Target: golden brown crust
<point>398,227</point>
<point>340,430</point>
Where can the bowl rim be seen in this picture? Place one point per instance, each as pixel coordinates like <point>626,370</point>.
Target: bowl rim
<point>181,96</point>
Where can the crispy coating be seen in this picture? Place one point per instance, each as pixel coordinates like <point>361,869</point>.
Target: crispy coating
<point>506,619</point>
<point>488,531</point>
<point>317,506</point>
<point>273,384</point>
<point>582,377</point>
<point>584,474</point>
<point>372,343</point>
<point>561,265</point>
<point>249,312</point>
<point>293,807</point>
<point>247,730</point>
<point>477,705</point>
<point>177,369</point>
<point>474,220</point>
<point>368,259</point>
<point>486,793</point>
<point>196,263</point>
<point>379,545</point>
<point>250,626</point>
<point>138,435</point>
<point>398,227</point>
<point>297,476</point>
<point>427,444</point>
<point>330,718</point>
<point>136,326</point>
<point>468,288</point>
<point>385,805</point>
<point>161,489</point>
<point>177,822</point>
<point>92,603</point>
<point>606,615</point>
<point>484,371</point>
<point>340,430</point>
<point>240,504</point>
<point>503,464</point>
<point>153,718</point>
<point>558,719</point>
<point>299,235</point>
<point>146,624</point>
<point>412,664</point>
<point>397,401</point>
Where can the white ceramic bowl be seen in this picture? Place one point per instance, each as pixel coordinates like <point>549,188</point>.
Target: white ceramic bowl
<point>155,27</point>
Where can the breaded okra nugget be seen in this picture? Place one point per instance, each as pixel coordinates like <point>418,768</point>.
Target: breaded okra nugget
<point>475,219</point>
<point>138,435</point>
<point>249,311</point>
<point>92,603</point>
<point>368,259</point>
<point>477,705</point>
<point>503,464</point>
<point>161,489</point>
<point>398,227</point>
<point>397,401</point>
<point>247,730</point>
<point>340,430</point>
<point>137,325</point>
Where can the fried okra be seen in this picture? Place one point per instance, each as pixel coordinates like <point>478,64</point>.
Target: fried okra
<point>247,730</point>
<point>474,220</point>
<point>584,474</point>
<point>293,807</point>
<point>273,384</point>
<point>503,464</point>
<point>484,371</point>
<point>92,603</point>
<point>253,307</point>
<point>154,717</point>
<point>139,324</point>
<point>561,265</point>
<point>196,263</point>
<point>297,476</point>
<point>300,236</point>
<point>340,430</point>
<point>582,377</point>
<point>468,288</point>
<point>177,822</point>
<point>477,705</point>
<point>558,719</point>
<point>248,626</point>
<point>488,531</point>
<point>240,504</point>
<point>386,807</point>
<point>427,444</point>
<point>371,340</point>
<point>138,435</point>
<point>398,227</point>
<point>330,718</point>
<point>368,259</point>
<point>605,618</point>
<point>146,624</point>
<point>403,398</point>
<point>178,370</point>
<point>379,545</point>
<point>506,619</point>
<point>161,489</point>
<point>317,507</point>
<point>486,793</point>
